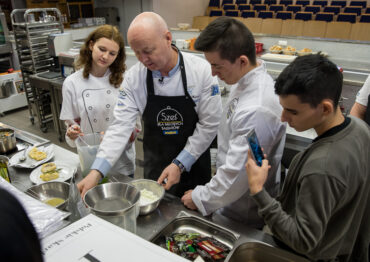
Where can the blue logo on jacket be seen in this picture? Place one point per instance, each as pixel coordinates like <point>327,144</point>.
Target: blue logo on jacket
<point>215,90</point>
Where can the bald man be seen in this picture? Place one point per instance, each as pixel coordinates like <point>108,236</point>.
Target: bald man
<point>180,105</point>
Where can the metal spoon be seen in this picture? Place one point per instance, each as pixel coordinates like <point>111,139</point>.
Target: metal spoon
<point>23,157</point>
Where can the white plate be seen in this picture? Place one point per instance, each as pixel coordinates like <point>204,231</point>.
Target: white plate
<point>29,162</point>
<point>65,173</point>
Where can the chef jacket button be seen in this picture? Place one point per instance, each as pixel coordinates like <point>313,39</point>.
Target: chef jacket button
<point>90,107</point>
<point>95,120</point>
<point>107,106</point>
<point>107,119</point>
<point>87,95</point>
<point>108,91</point>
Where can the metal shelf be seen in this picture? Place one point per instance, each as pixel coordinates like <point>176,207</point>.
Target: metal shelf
<point>32,48</point>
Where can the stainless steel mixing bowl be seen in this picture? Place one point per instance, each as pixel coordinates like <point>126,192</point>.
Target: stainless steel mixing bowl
<point>53,189</point>
<point>153,186</point>
<point>115,202</point>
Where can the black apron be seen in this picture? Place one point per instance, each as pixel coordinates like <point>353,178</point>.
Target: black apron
<point>168,122</point>
<point>367,112</point>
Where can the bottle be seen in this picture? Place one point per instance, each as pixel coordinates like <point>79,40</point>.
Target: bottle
<point>4,172</point>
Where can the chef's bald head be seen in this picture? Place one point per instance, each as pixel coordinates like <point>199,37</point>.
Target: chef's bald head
<point>147,23</point>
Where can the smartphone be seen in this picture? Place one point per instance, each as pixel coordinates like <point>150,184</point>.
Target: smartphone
<point>255,147</point>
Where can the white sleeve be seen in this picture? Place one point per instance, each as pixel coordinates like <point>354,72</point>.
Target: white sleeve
<point>230,181</point>
<point>69,110</point>
<point>363,94</point>
<point>117,135</point>
<point>209,113</point>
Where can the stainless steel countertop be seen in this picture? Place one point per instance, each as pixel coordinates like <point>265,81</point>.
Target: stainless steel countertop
<point>149,225</point>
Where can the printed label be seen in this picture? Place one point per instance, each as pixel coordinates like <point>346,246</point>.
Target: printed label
<point>170,121</point>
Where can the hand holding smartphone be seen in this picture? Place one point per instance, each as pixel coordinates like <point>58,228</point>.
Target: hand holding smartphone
<point>255,147</point>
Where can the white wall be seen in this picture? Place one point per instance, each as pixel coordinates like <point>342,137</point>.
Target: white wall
<point>179,11</point>
<point>173,11</point>
<point>127,10</point>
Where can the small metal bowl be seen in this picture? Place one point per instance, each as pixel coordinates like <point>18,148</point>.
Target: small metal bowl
<point>153,186</point>
<point>49,190</point>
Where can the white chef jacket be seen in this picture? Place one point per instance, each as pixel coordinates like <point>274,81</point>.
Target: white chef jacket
<point>363,95</point>
<point>202,87</point>
<point>252,103</point>
<point>92,100</point>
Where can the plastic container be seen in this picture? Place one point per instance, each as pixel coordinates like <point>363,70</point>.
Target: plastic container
<point>87,148</point>
<point>259,47</point>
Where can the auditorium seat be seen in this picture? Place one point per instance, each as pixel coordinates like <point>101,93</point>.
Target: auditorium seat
<point>284,15</point>
<point>327,17</point>
<point>305,16</point>
<point>265,14</point>
<point>343,17</point>
<point>332,9</point>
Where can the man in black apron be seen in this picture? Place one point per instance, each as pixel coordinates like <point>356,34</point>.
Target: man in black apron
<point>168,122</point>
<point>180,114</point>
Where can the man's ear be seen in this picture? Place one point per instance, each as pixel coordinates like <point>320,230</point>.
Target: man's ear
<point>327,106</point>
<point>244,61</point>
<point>169,37</point>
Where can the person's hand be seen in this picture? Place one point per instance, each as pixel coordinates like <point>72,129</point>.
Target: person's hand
<point>172,173</point>
<point>74,131</point>
<point>91,180</point>
<point>188,201</point>
<point>257,176</point>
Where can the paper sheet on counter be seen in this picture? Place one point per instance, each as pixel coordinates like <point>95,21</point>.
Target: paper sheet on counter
<point>94,239</point>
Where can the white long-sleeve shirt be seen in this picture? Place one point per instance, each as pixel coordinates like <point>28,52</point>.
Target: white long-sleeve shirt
<point>202,87</point>
<point>363,95</point>
<point>92,101</point>
<point>252,104</point>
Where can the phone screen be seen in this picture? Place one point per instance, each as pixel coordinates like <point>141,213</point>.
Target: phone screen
<point>255,147</point>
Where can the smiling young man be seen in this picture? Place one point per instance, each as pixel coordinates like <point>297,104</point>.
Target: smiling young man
<point>323,210</point>
<point>252,104</point>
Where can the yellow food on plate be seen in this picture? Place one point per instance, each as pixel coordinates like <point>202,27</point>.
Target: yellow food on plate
<point>275,49</point>
<point>49,176</point>
<point>305,50</point>
<point>290,48</point>
<point>48,167</point>
<point>34,153</point>
<point>55,201</point>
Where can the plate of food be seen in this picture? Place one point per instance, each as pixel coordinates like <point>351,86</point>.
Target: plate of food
<point>276,49</point>
<point>35,156</point>
<point>52,171</point>
<point>289,50</point>
<point>304,51</point>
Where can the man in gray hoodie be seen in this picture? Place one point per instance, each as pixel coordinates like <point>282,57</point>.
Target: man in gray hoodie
<point>323,209</point>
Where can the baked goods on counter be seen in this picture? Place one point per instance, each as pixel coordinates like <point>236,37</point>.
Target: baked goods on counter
<point>276,49</point>
<point>289,50</point>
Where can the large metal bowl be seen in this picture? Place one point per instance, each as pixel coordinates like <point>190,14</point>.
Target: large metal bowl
<point>48,190</point>
<point>153,186</point>
<point>7,140</point>
<point>115,202</point>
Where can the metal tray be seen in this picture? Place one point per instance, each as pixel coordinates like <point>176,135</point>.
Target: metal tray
<point>259,252</point>
<point>186,223</point>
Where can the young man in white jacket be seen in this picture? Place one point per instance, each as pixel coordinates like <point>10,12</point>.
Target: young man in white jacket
<point>229,47</point>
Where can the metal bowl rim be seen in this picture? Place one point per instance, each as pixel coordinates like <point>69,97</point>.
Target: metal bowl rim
<point>116,212</point>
